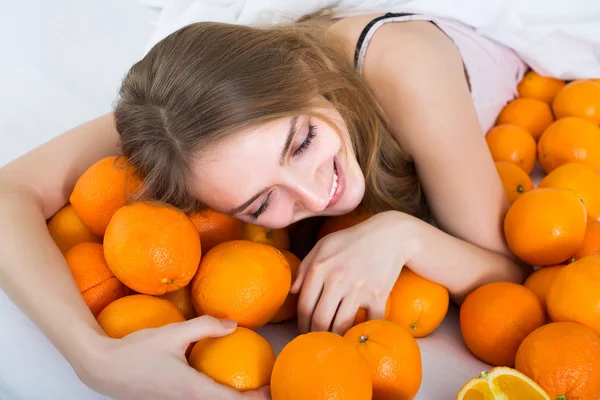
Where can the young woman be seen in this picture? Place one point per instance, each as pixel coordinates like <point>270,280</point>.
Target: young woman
<point>272,126</point>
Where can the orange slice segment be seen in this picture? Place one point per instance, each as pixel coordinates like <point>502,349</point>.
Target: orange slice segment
<point>502,383</point>
<point>476,389</point>
<point>513,384</point>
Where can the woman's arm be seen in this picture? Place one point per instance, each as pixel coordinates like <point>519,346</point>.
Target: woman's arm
<point>455,263</point>
<point>147,364</point>
<point>422,87</point>
<point>33,272</point>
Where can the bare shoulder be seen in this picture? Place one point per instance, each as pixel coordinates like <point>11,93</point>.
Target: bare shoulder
<point>402,44</point>
<point>408,64</point>
<point>349,30</point>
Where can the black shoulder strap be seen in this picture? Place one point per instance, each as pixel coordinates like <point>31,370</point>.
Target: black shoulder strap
<point>366,30</point>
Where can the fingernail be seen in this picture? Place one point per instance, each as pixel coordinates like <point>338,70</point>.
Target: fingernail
<point>295,287</point>
<point>228,324</point>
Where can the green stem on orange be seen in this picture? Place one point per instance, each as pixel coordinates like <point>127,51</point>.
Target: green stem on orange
<point>561,397</point>
<point>413,326</point>
<point>484,374</point>
<point>363,339</point>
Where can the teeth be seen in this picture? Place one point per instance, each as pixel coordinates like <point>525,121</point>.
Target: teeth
<point>334,185</point>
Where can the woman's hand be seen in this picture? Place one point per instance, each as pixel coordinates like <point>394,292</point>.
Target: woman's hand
<point>151,364</point>
<point>352,268</point>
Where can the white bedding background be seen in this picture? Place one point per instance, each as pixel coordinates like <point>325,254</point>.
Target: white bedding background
<point>555,37</point>
<point>61,63</point>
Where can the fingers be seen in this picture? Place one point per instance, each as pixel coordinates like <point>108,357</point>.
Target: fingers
<point>309,297</point>
<point>199,328</point>
<point>345,315</point>
<point>326,307</point>
<point>303,269</point>
<point>376,309</point>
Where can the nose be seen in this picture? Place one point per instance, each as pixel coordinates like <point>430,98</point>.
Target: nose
<point>313,190</point>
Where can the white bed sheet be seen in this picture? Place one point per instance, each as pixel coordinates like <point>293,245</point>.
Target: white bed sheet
<point>62,62</point>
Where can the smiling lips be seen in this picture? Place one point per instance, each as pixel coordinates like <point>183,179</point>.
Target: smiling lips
<point>335,182</point>
<point>337,186</point>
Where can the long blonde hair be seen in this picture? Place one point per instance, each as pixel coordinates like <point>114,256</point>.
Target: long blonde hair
<point>209,80</point>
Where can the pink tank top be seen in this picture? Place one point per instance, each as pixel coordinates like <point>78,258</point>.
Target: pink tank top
<point>493,69</point>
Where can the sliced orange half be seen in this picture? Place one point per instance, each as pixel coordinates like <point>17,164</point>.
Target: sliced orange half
<point>476,389</point>
<point>502,383</point>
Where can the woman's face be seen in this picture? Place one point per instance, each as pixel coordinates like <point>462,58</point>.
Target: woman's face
<point>281,172</point>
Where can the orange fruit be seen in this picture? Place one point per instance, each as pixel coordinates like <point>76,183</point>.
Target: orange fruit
<point>152,248</point>
<point>242,280</point>
<point>95,281</point>
<point>514,180</point>
<point>582,180</point>
<point>242,360</point>
<point>320,366</point>
<point>591,241</point>
<point>393,357</point>
<point>289,309</point>
<point>530,114</point>
<point>574,294</point>
<point>512,144</point>
<point>337,223</point>
<point>477,388</point>
<point>67,230</point>
<point>505,382</point>
<point>539,282</point>
<point>564,359</point>
<point>215,227</point>
<point>102,190</point>
<point>545,226</point>
<point>567,140</point>
<point>182,299</point>
<point>139,311</point>
<point>417,304</point>
<point>535,86</point>
<point>362,314</point>
<point>496,317</point>
<point>579,99</point>
<point>278,238</point>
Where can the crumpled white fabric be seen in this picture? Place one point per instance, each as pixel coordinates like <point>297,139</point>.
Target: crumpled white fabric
<point>556,38</point>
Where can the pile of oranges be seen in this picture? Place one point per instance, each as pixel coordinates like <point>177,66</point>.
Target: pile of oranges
<point>549,327</point>
<point>142,265</point>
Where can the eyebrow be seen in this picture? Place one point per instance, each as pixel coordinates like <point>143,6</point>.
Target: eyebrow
<point>288,140</point>
<point>286,148</point>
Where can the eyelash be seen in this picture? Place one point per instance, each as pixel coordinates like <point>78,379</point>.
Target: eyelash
<point>261,209</point>
<point>312,132</point>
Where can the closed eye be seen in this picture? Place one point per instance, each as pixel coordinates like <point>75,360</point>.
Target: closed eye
<point>261,210</point>
<point>312,132</point>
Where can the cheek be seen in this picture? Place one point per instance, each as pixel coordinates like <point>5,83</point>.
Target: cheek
<point>280,213</point>
<point>330,141</point>
<point>215,201</point>
<point>215,196</point>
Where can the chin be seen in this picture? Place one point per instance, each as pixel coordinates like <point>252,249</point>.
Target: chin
<point>352,198</point>
<point>354,189</point>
